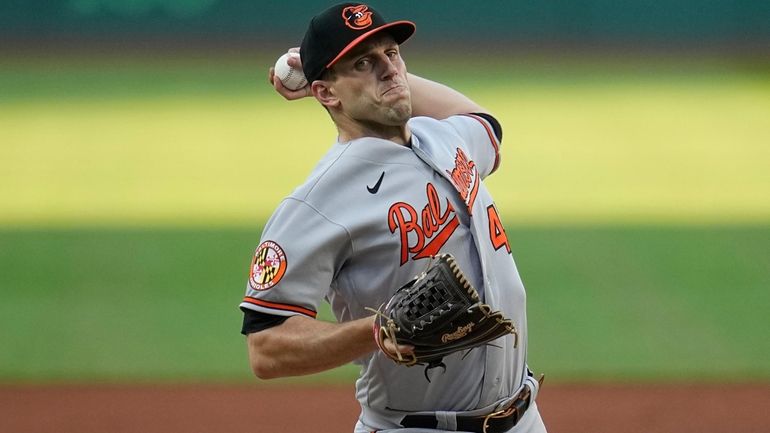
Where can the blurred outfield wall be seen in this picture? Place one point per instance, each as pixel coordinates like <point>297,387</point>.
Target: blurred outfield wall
<point>692,24</point>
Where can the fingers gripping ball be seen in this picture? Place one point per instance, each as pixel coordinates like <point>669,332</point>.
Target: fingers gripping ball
<point>291,78</point>
<point>438,313</point>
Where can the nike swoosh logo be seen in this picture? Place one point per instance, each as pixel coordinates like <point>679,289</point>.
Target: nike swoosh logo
<point>376,187</point>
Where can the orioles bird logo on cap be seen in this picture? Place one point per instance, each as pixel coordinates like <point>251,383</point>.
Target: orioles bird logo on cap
<point>357,17</point>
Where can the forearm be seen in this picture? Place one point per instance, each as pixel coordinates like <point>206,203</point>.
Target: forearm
<point>302,346</point>
<point>438,101</point>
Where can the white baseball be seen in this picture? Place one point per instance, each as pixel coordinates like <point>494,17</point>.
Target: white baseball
<point>291,78</point>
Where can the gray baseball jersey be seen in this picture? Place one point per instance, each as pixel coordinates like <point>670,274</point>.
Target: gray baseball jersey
<point>365,222</point>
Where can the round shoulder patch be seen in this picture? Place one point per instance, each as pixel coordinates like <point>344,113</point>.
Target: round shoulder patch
<point>268,266</point>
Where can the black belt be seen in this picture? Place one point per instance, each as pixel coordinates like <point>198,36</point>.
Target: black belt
<point>496,422</point>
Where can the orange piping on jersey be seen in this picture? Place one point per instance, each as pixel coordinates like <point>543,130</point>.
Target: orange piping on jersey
<point>283,307</point>
<point>492,139</point>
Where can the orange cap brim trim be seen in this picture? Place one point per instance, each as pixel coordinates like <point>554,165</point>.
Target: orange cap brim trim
<point>361,38</point>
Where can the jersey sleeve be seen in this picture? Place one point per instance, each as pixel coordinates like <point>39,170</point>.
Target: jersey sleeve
<point>254,321</point>
<point>482,142</point>
<point>295,262</point>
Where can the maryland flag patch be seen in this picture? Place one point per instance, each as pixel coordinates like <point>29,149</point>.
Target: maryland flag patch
<point>268,266</point>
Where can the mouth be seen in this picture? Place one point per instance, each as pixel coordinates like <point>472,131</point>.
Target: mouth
<point>398,88</point>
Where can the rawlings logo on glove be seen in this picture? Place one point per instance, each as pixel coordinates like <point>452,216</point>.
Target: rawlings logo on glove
<point>437,313</point>
<point>460,333</point>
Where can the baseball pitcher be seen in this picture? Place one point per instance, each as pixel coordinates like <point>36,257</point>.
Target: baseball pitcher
<point>395,229</point>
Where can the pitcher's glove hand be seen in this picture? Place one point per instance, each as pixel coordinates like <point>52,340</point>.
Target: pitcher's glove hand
<point>437,313</point>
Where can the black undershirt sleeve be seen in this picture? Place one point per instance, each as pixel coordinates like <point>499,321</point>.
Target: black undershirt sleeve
<point>254,321</point>
<point>495,125</point>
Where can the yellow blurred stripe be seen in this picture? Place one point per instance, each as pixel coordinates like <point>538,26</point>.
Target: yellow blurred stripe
<point>646,152</point>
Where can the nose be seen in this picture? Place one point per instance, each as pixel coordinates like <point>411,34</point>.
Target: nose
<point>389,69</point>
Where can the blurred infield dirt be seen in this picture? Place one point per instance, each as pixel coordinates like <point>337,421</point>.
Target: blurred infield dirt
<point>574,408</point>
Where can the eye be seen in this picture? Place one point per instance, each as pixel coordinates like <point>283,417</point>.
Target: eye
<point>363,64</point>
<point>392,54</point>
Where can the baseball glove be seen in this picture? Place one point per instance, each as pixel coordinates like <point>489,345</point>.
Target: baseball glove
<point>438,313</point>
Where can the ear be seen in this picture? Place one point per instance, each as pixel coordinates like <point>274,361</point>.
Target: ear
<point>324,93</point>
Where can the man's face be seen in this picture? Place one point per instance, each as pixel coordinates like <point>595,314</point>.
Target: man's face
<point>370,82</point>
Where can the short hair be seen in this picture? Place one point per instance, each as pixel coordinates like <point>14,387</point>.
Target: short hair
<point>329,74</point>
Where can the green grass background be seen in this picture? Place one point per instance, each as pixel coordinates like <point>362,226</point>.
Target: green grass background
<point>133,190</point>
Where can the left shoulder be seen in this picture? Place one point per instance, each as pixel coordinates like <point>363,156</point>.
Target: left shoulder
<point>461,124</point>
<point>477,133</point>
<point>436,133</point>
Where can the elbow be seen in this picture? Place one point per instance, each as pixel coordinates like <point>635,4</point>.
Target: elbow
<point>263,370</point>
<point>260,372</point>
<point>263,366</point>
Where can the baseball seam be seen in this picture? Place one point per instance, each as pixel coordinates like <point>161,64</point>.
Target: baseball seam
<point>287,78</point>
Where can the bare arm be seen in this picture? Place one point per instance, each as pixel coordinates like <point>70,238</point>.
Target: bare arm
<point>302,345</point>
<point>438,101</point>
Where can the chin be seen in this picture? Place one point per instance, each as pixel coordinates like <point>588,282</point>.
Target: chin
<point>399,114</point>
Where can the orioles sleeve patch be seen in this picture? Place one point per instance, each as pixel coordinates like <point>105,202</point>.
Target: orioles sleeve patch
<point>268,266</point>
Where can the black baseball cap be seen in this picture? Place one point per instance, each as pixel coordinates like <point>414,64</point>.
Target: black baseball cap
<point>337,30</point>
